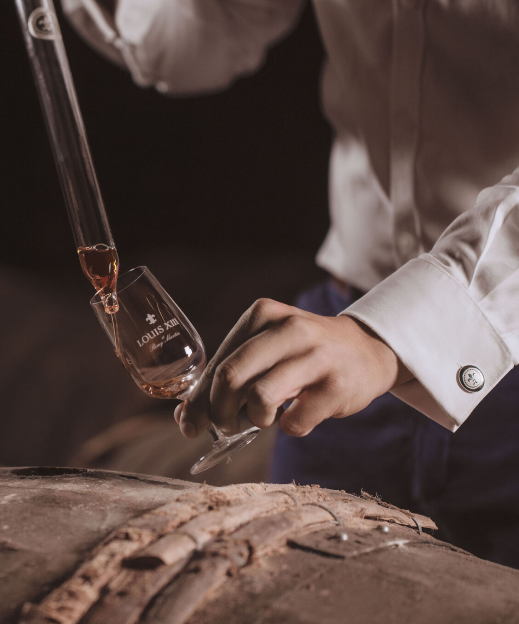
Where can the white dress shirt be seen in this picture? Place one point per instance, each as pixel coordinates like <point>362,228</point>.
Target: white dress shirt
<point>424,100</point>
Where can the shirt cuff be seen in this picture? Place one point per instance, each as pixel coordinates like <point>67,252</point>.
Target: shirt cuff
<point>436,329</point>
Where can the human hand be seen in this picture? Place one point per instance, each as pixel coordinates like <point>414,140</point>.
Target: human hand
<point>330,367</point>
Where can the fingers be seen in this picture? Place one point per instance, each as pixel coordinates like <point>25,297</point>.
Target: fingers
<point>248,367</point>
<point>284,382</point>
<point>177,413</point>
<point>262,313</point>
<point>310,408</point>
<point>187,429</point>
<point>193,415</point>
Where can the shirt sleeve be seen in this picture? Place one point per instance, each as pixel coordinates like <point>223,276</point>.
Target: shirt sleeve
<point>185,46</point>
<point>456,306</point>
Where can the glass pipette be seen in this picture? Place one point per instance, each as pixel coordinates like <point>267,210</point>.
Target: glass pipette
<point>48,59</point>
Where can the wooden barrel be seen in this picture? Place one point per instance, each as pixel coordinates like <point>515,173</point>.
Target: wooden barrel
<point>95,547</point>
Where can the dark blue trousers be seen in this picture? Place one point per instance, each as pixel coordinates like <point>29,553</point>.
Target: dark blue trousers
<point>467,482</point>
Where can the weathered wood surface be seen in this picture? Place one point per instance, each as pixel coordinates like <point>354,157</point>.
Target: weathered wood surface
<point>92,547</point>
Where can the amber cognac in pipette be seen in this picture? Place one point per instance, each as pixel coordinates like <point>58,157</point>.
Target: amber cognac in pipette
<point>100,264</point>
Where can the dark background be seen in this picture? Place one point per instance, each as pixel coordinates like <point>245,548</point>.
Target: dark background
<point>224,197</point>
<point>243,171</point>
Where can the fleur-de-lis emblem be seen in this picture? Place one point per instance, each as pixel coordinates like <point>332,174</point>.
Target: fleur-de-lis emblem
<point>471,378</point>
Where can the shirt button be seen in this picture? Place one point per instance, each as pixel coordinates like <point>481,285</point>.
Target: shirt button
<point>162,87</point>
<point>406,243</point>
<point>471,378</point>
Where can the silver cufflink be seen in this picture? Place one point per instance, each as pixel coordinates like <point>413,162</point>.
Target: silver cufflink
<point>471,378</point>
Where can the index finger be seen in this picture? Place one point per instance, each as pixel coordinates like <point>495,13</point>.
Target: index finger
<point>194,415</point>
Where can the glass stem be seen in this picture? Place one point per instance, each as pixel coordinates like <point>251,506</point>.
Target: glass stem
<point>216,434</point>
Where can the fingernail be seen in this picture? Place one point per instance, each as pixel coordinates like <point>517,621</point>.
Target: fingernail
<point>188,429</point>
<point>178,412</point>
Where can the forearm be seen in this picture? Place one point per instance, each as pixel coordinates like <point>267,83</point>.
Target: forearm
<point>455,307</point>
<point>394,370</point>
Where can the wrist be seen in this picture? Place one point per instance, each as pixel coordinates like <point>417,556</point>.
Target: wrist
<point>388,370</point>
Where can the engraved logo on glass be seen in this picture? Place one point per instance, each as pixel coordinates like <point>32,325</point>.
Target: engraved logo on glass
<point>157,331</point>
<point>43,24</point>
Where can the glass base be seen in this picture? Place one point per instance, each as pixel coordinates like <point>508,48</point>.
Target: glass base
<point>224,448</point>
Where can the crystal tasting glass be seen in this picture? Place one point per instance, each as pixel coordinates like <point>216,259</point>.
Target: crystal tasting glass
<point>161,350</point>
